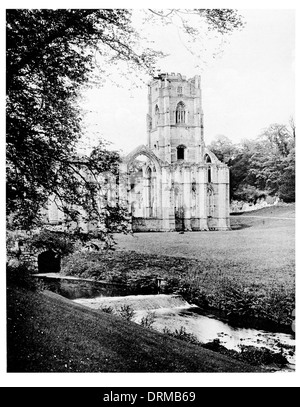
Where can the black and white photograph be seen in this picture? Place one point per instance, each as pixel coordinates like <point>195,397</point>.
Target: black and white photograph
<point>150,196</point>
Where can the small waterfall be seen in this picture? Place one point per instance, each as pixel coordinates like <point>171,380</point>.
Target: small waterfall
<point>137,302</point>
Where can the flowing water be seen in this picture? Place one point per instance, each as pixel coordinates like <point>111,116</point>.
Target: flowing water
<point>172,312</point>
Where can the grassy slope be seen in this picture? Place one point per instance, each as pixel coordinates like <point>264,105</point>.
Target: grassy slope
<point>48,333</point>
<point>256,250</point>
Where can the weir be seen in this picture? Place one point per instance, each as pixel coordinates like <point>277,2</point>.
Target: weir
<point>137,302</point>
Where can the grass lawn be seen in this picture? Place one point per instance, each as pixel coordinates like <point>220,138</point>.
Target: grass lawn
<point>258,250</point>
<point>48,333</point>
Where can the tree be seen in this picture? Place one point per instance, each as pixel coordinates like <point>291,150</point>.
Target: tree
<point>287,187</point>
<point>269,161</point>
<point>223,148</point>
<point>265,166</point>
<point>222,21</point>
<point>50,58</point>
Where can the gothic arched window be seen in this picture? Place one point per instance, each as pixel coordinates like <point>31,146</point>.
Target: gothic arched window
<point>180,113</point>
<point>207,159</point>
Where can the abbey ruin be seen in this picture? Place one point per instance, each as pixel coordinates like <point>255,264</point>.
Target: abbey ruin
<point>172,182</point>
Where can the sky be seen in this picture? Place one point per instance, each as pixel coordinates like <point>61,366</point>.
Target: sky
<point>245,88</point>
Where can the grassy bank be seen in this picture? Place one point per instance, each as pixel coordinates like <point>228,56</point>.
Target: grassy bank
<point>248,273</point>
<point>48,333</point>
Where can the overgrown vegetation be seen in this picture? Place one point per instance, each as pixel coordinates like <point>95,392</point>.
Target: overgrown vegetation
<point>256,356</point>
<point>263,167</point>
<point>183,335</point>
<point>126,312</point>
<point>148,320</point>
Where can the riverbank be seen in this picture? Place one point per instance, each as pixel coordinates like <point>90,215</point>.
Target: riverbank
<point>246,274</point>
<point>224,289</point>
<point>49,333</point>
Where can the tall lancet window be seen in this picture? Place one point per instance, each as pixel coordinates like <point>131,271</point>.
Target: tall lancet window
<point>156,116</point>
<point>207,159</point>
<point>180,113</point>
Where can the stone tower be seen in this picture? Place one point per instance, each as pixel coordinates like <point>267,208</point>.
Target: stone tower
<point>181,185</point>
<point>175,118</point>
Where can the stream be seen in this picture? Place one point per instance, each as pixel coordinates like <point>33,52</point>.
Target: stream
<point>171,312</point>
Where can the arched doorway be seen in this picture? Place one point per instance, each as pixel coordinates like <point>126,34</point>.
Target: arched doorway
<point>49,262</point>
<point>143,189</point>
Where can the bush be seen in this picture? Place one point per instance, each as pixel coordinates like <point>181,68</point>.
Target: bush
<point>143,283</point>
<point>182,335</point>
<point>261,356</point>
<point>238,301</point>
<point>83,264</point>
<point>279,305</point>
<point>148,320</point>
<point>107,309</point>
<point>126,312</point>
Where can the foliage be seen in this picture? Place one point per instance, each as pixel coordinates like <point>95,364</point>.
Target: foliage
<point>126,312</point>
<point>143,282</point>
<point>220,20</point>
<point>13,237</point>
<point>279,304</point>
<point>182,335</point>
<point>256,356</point>
<point>107,309</point>
<point>148,320</point>
<point>50,57</point>
<point>60,242</point>
<point>18,274</point>
<point>223,148</point>
<point>239,300</point>
<point>287,187</point>
<point>84,265</point>
<point>261,356</point>
<point>263,167</point>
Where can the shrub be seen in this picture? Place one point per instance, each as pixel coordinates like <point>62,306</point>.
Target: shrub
<point>261,356</point>
<point>279,305</point>
<point>82,264</point>
<point>182,335</point>
<point>148,320</point>
<point>126,312</point>
<point>107,309</point>
<point>143,283</point>
<point>237,300</point>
